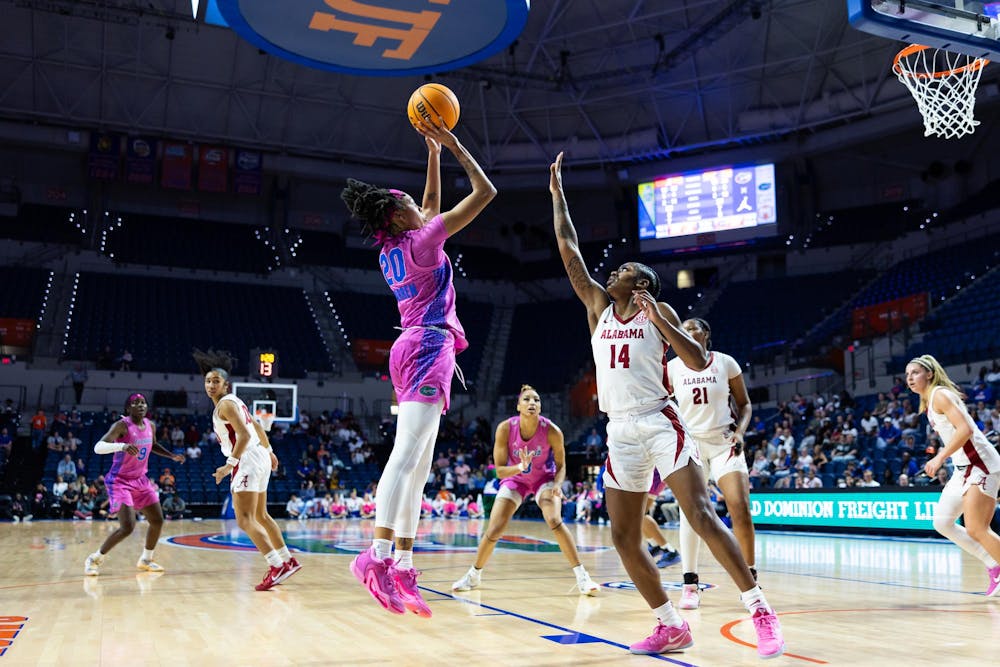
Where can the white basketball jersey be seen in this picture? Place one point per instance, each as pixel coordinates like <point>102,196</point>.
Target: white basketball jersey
<point>703,396</point>
<point>630,356</point>
<point>226,433</point>
<point>976,451</point>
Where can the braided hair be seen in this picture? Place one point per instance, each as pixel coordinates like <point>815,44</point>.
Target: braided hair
<point>652,276</point>
<point>219,361</point>
<point>372,206</point>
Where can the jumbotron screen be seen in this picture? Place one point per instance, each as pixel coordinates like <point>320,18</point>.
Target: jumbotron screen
<point>707,207</point>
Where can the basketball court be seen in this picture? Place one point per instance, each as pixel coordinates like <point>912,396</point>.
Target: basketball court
<point>842,601</point>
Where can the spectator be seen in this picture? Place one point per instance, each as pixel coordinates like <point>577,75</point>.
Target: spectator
<point>19,509</point>
<point>78,376</point>
<point>71,442</point>
<point>296,508</point>
<point>126,361</point>
<point>903,480</point>
<point>59,486</point>
<point>869,424</point>
<point>66,468</point>
<point>39,425</point>
<point>461,471</point>
<point>593,444</point>
<point>812,481</point>
<point>940,478</point>
<point>168,483</point>
<point>173,507</point>
<point>888,434</point>
<point>868,480</point>
<point>81,468</point>
<point>86,505</point>
<point>193,451</point>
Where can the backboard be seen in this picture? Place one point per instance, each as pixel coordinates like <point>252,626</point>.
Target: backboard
<point>959,26</point>
<point>280,399</point>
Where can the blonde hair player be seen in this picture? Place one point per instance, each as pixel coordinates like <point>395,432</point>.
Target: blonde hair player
<point>630,333</point>
<point>530,460</point>
<point>706,399</point>
<point>972,490</point>
<point>249,462</point>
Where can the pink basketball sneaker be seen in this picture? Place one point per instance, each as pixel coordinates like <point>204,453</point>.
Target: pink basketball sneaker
<point>770,642</point>
<point>993,588</point>
<point>376,576</point>
<point>406,584</point>
<point>690,597</point>
<point>665,638</point>
<point>270,578</point>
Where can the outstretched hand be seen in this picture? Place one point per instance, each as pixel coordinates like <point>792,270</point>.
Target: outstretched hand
<point>647,304</point>
<point>438,133</point>
<point>555,174</point>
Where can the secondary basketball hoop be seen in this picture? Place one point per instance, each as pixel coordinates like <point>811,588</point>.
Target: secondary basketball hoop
<point>944,85</point>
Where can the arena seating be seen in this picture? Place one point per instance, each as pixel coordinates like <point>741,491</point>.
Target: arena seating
<point>48,224</point>
<point>752,321</point>
<point>179,242</point>
<point>23,291</point>
<point>159,320</point>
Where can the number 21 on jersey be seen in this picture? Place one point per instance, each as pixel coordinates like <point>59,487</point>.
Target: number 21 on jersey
<point>700,395</point>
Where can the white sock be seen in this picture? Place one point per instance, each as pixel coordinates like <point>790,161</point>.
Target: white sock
<point>404,559</point>
<point>754,600</point>
<point>580,571</point>
<point>668,615</point>
<point>147,554</point>
<point>284,554</point>
<point>97,556</point>
<point>383,548</point>
<point>273,559</point>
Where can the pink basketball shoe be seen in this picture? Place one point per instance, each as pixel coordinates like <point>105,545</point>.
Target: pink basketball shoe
<point>406,584</point>
<point>290,568</point>
<point>770,642</point>
<point>690,597</point>
<point>993,587</point>
<point>665,638</point>
<point>376,576</point>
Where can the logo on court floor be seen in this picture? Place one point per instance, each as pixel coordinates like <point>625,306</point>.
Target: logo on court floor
<point>348,538</point>
<point>667,585</point>
<point>10,627</point>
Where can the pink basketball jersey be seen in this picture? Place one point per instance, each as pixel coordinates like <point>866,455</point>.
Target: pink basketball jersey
<point>425,293</point>
<point>543,465</point>
<point>126,466</point>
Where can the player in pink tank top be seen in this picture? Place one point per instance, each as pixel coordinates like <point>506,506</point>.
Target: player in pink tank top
<point>133,440</point>
<point>530,460</point>
<point>417,270</point>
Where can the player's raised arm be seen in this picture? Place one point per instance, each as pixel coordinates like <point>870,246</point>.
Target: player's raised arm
<point>589,291</point>
<point>483,191</point>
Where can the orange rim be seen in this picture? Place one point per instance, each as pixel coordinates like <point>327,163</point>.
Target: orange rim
<point>976,64</point>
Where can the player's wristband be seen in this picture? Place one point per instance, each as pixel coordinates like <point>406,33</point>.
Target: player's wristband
<point>233,461</point>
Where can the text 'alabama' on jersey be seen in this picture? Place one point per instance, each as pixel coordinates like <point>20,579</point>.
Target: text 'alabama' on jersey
<point>418,271</point>
<point>225,431</point>
<point>630,356</point>
<point>703,396</point>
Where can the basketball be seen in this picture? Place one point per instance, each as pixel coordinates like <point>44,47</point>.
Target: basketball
<point>430,101</point>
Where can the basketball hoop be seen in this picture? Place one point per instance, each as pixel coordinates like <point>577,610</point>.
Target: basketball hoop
<point>944,86</point>
<point>266,419</point>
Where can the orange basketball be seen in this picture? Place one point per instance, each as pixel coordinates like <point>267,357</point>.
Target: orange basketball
<point>430,101</point>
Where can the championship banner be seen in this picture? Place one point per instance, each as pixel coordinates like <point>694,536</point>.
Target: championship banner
<point>886,509</point>
<point>140,160</point>
<point>213,168</point>
<point>889,316</point>
<point>371,355</point>
<point>247,176</point>
<point>175,170</point>
<point>104,155</point>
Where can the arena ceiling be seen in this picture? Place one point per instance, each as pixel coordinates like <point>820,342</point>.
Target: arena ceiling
<point>614,82</point>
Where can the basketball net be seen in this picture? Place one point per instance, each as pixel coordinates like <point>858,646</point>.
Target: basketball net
<point>266,419</point>
<point>944,86</point>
